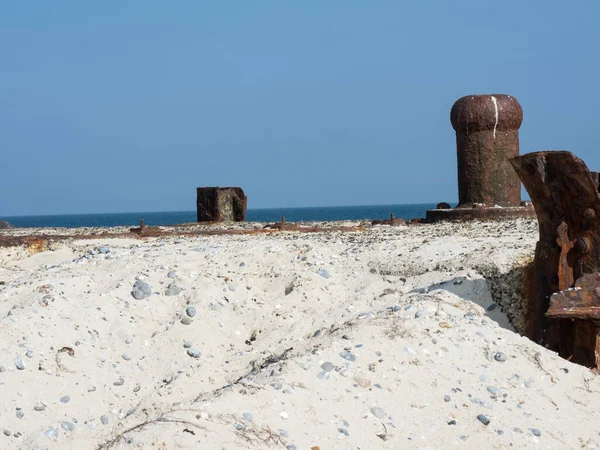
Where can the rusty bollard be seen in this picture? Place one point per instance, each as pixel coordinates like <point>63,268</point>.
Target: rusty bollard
<point>487,135</point>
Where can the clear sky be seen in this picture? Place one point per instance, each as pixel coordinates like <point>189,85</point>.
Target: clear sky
<point>116,106</point>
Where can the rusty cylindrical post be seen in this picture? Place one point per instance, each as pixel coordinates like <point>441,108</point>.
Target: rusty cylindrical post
<point>487,135</point>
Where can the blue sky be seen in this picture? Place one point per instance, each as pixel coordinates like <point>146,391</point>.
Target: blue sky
<point>120,106</point>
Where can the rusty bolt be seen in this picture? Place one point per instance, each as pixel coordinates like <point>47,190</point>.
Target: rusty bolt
<point>487,134</point>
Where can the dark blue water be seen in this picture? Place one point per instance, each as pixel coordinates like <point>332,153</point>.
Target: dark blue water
<point>317,214</point>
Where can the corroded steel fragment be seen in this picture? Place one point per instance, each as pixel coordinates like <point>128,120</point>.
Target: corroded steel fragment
<point>564,194</point>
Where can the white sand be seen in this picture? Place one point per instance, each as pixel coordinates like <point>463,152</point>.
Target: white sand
<point>293,320</point>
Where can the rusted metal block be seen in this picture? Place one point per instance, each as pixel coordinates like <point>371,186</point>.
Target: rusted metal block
<point>487,135</point>
<point>565,197</point>
<point>221,204</point>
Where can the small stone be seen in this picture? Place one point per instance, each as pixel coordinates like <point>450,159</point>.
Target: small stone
<point>483,419</point>
<point>323,273</point>
<point>67,426</point>
<point>51,433</point>
<point>492,307</point>
<point>535,432</point>
<point>186,321</point>
<point>65,399</point>
<point>172,289</point>
<point>323,375</point>
<point>30,354</point>
<point>19,363</point>
<point>137,388</point>
<point>193,353</point>
<point>120,382</point>
<point>7,433</point>
<point>172,274</point>
<point>92,425</point>
<point>500,432</point>
<point>500,357</point>
<point>104,420</point>
<point>344,431</point>
<point>39,408</point>
<point>421,314</point>
<point>20,413</point>
<point>327,366</point>
<point>283,433</point>
<point>141,290</point>
<point>104,249</point>
<point>446,398</point>
<point>494,391</point>
<point>452,422</point>
<point>190,311</point>
<point>247,416</point>
<point>240,427</point>
<point>126,357</point>
<point>128,340</point>
<point>348,356</point>
<point>187,344</point>
<point>284,415</point>
<point>291,447</point>
<point>517,430</point>
<point>378,412</point>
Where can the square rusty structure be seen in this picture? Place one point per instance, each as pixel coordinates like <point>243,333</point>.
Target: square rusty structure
<point>221,204</point>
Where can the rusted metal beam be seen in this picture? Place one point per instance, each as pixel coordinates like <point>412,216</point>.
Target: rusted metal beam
<point>565,197</point>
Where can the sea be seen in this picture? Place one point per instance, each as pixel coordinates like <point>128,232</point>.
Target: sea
<point>309,214</point>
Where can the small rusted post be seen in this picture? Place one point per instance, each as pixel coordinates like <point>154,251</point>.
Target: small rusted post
<point>487,135</point>
<point>282,220</point>
<point>221,204</point>
<point>142,225</point>
<point>392,217</point>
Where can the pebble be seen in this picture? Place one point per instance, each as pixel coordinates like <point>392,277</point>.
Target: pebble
<point>291,447</point>
<point>30,354</point>
<point>104,249</point>
<point>344,431</point>
<point>494,391</point>
<point>483,419</point>
<point>190,311</point>
<point>187,344</point>
<point>240,427</point>
<point>65,399</point>
<point>128,340</point>
<point>446,398</point>
<point>323,375</point>
<point>51,433</point>
<point>137,388</point>
<point>126,357</point>
<point>348,356</point>
<point>39,408</point>
<point>323,273</point>
<point>421,313</point>
<point>500,357</point>
<point>67,426</point>
<point>141,290</point>
<point>19,363</point>
<point>172,274</point>
<point>535,432</point>
<point>492,307</point>
<point>92,425</point>
<point>283,433</point>
<point>186,321</point>
<point>193,353</point>
<point>7,433</point>
<point>172,289</point>
<point>104,420</point>
<point>120,382</point>
<point>248,416</point>
<point>284,415</point>
<point>327,366</point>
<point>500,432</point>
<point>20,413</point>
<point>378,412</point>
